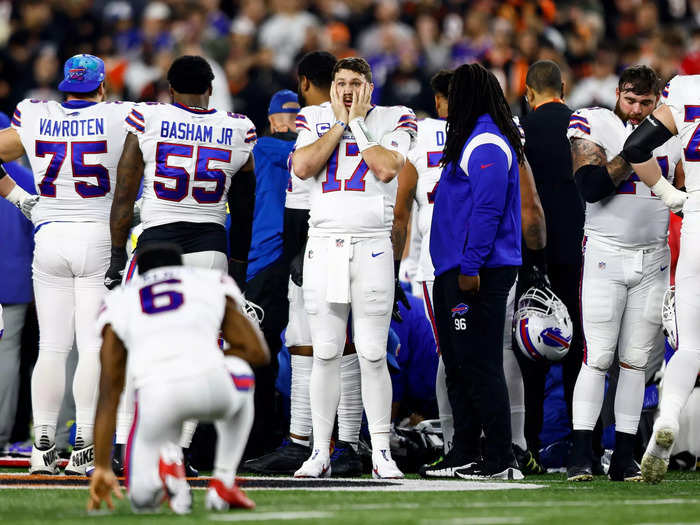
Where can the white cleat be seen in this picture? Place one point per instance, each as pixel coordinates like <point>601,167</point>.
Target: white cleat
<point>171,469</point>
<point>81,461</point>
<point>44,461</point>
<point>317,466</point>
<point>384,467</point>
<point>655,460</point>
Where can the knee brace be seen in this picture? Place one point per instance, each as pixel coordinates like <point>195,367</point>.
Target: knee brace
<point>371,352</point>
<point>636,359</point>
<point>327,351</point>
<point>601,361</point>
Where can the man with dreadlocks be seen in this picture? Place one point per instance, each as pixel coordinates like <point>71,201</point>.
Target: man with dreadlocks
<point>475,248</point>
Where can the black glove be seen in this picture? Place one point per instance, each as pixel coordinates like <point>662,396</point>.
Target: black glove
<point>399,295</point>
<point>115,272</point>
<point>239,271</point>
<point>533,272</point>
<point>296,267</point>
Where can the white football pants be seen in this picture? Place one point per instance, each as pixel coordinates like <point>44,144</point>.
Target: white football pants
<point>70,261</point>
<point>362,269</point>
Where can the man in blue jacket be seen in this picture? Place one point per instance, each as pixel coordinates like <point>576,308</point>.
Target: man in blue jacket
<point>268,270</point>
<point>475,248</point>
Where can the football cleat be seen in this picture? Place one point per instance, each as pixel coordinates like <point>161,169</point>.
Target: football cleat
<point>171,469</point>
<point>219,497</point>
<point>317,466</point>
<point>526,461</point>
<point>80,460</point>
<point>623,469</point>
<point>345,462</point>
<point>481,470</point>
<point>383,466</point>
<point>444,467</point>
<point>579,473</point>
<point>44,461</point>
<point>655,460</point>
<point>285,459</point>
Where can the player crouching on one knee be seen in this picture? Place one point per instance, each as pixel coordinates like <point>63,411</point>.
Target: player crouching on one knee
<point>168,320</point>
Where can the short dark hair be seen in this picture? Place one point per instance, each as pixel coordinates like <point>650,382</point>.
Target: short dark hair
<point>441,82</point>
<point>640,80</point>
<point>190,74</point>
<point>317,68</point>
<point>158,254</point>
<point>356,64</point>
<point>544,76</point>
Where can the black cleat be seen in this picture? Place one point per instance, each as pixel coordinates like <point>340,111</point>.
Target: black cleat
<point>624,469</point>
<point>345,462</point>
<point>526,461</point>
<point>482,470</point>
<point>190,471</point>
<point>445,467</point>
<point>285,459</point>
<point>579,473</point>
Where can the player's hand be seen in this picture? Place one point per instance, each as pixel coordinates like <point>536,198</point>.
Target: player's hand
<point>26,205</point>
<point>103,484</point>
<point>675,199</point>
<point>339,109</point>
<point>115,272</point>
<point>534,276</point>
<point>361,102</point>
<point>469,283</point>
<point>399,296</point>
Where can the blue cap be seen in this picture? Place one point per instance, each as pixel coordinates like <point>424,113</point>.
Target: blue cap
<point>82,74</point>
<point>281,99</point>
<point>393,345</point>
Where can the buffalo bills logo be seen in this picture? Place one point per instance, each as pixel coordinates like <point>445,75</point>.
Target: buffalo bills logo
<point>460,310</point>
<point>77,73</point>
<point>554,338</point>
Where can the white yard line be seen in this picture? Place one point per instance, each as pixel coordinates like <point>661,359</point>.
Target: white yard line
<point>262,516</point>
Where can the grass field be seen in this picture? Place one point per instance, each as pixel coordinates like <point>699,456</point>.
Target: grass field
<point>677,500</point>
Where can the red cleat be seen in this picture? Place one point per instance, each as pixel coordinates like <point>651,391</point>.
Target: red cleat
<point>221,498</point>
<point>171,469</point>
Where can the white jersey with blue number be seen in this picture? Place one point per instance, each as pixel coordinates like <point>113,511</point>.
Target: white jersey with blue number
<point>425,157</point>
<point>682,96</point>
<point>190,156</point>
<point>169,321</point>
<point>633,217</point>
<point>73,149</point>
<point>346,197</point>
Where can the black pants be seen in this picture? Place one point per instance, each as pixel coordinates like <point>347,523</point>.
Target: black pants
<point>565,284</point>
<point>268,289</point>
<point>470,330</point>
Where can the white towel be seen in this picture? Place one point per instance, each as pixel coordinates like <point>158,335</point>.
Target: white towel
<point>339,250</point>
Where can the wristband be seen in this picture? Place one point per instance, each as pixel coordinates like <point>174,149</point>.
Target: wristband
<point>17,195</point>
<point>341,123</point>
<point>362,136</point>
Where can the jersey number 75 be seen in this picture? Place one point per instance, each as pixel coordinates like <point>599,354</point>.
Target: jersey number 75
<point>78,150</point>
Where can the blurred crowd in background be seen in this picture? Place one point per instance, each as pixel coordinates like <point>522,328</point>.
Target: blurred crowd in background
<point>253,45</point>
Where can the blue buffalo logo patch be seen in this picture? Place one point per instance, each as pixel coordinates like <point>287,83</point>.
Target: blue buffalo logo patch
<point>460,310</point>
<point>77,74</point>
<point>554,338</point>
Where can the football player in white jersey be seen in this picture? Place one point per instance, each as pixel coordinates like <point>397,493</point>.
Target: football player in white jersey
<point>677,116</point>
<point>73,148</point>
<point>625,269</point>
<point>191,159</point>
<point>354,151</point>
<point>162,326</point>
<point>417,182</point>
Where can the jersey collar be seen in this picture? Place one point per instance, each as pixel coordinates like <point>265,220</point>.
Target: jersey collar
<point>196,111</point>
<point>77,104</point>
<point>555,100</point>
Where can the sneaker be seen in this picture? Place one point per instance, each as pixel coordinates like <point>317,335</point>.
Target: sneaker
<point>285,459</point>
<point>579,473</point>
<point>623,469</point>
<point>81,459</point>
<point>481,470</point>
<point>384,467</point>
<point>526,461</point>
<point>444,467</point>
<point>655,460</point>
<point>345,462</point>
<point>190,471</point>
<point>219,497</point>
<point>317,466</point>
<point>171,469</point>
<point>118,460</point>
<point>44,460</point>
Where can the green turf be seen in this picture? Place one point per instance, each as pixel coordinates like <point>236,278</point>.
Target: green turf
<point>599,502</point>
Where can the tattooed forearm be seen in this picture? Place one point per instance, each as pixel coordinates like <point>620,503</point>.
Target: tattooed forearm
<point>585,152</point>
<point>619,170</point>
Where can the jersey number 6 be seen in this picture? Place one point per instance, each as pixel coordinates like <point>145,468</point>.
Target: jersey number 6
<point>153,302</point>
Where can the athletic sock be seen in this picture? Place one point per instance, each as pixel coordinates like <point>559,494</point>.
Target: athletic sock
<point>44,436</point>
<point>516,396</point>
<point>624,445</point>
<point>679,381</point>
<point>588,397</point>
<point>324,391</point>
<point>582,449</point>
<point>350,405</point>
<point>84,435</point>
<point>376,398</point>
<point>189,427</point>
<point>300,403</point>
<point>629,398</point>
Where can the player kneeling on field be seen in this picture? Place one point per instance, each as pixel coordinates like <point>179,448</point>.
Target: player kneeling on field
<point>168,320</point>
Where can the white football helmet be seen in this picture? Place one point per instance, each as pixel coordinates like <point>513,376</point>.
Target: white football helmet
<point>668,317</point>
<point>542,325</point>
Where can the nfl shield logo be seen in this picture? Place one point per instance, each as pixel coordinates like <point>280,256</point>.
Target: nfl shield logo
<point>601,265</point>
<point>339,243</point>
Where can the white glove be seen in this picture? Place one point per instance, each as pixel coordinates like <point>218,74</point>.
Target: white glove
<point>672,197</point>
<point>23,200</point>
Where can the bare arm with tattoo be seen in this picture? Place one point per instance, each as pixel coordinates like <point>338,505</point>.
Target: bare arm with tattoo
<point>585,152</point>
